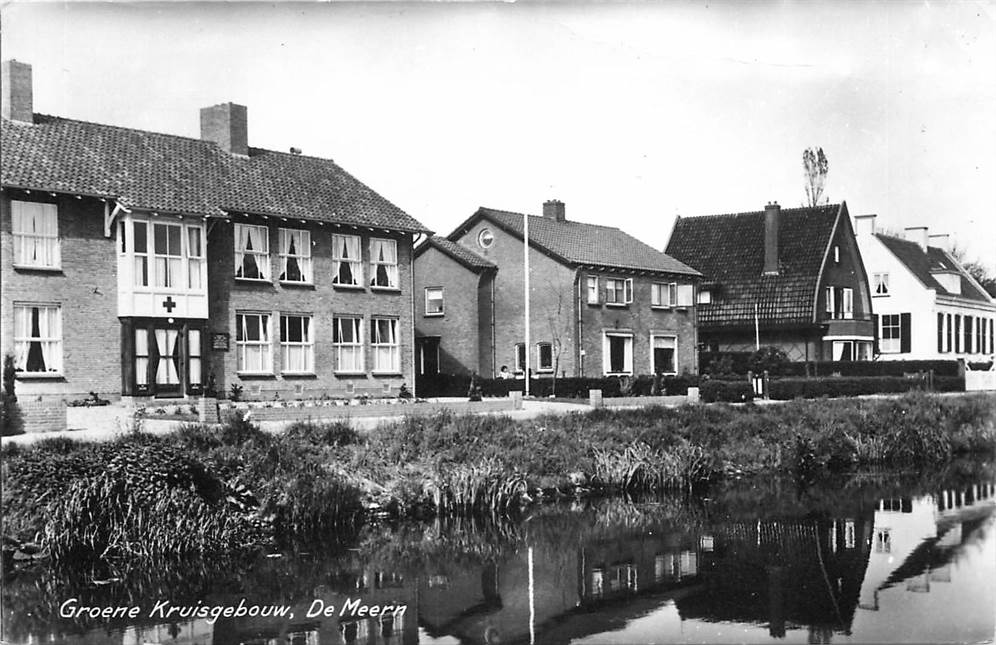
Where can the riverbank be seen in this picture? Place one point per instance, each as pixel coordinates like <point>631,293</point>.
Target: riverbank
<point>203,490</point>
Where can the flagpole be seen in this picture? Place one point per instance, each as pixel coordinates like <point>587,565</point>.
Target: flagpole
<point>757,329</point>
<point>525,264</point>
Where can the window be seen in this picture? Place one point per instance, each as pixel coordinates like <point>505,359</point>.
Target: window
<point>433,301</point>
<point>617,353</point>
<point>141,356</point>
<point>485,238</point>
<point>592,290</point>
<point>520,357</point>
<point>663,357</point>
<point>545,351</point>
<point>948,334</point>
<point>141,235</point>
<point>35,229</point>
<point>686,295</point>
<point>194,356</point>
<point>849,534</point>
<point>167,255</point>
<point>252,343</point>
<point>347,339</point>
<point>252,252</point>
<point>881,282</point>
<point>346,267</point>
<point>195,258</point>
<point>891,333</point>
<point>957,334</point>
<point>705,297</point>
<point>385,345</point>
<point>840,302</point>
<point>297,347</point>
<point>940,333</point>
<point>383,263</point>
<point>618,292</point>
<point>37,338</point>
<point>295,255</point>
<point>663,295</point>
<point>836,254</point>
<point>883,541</point>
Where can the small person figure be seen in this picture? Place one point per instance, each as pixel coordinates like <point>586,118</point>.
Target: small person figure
<point>403,392</point>
<point>503,373</point>
<point>474,393</point>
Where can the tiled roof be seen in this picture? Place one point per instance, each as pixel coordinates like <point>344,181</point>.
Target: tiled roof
<point>580,243</point>
<point>461,254</point>
<point>921,263</point>
<point>168,173</point>
<point>729,251</point>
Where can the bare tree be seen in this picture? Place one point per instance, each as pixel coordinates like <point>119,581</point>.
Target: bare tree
<point>557,312</point>
<point>816,166</point>
<point>976,269</point>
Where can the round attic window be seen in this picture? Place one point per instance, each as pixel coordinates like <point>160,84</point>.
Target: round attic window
<point>485,238</point>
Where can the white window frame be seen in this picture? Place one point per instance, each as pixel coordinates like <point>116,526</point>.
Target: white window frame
<point>442,309</point>
<point>627,353</point>
<point>349,242</point>
<point>195,351</point>
<point>519,358</point>
<point>847,309</point>
<point>539,357</point>
<point>144,270</point>
<point>686,296</point>
<point>591,290</point>
<point>615,285</point>
<point>50,337</point>
<point>307,343</point>
<point>196,264</point>
<point>664,295</point>
<point>390,266</point>
<point>260,255</point>
<point>35,231</point>
<point>881,281</point>
<point>830,301</point>
<point>890,345</point>
<point>343,348</point>
<point>653,366</point>
<point>381,347</point>
<point>265,342</point>
<point>167,267</point>
<point>704,297</point>
<point>302,253</point>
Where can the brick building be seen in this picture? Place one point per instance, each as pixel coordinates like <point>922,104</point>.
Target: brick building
<point>143,264</point>
<point>601,301</point>
<point>791,278</point>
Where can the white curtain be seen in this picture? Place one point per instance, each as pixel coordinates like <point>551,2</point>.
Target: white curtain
<point>35,228</point>
<point>241,239</point>
<point>194,255</point>
<point>384,263</point>
<point>166,373</point>
<point>349,348</point>
<point>142,356</point>
<point>49,330</point>
<point>22,332</point>
<point>194,353</point>
<point>385,342</point>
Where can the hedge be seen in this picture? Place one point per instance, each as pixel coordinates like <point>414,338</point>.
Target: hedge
<point>569,387</point>
<point>739,364</point>
<point>728,391</point>
<point>811,388</point>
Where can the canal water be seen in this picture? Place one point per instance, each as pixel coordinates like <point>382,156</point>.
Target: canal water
<point>874,557</point>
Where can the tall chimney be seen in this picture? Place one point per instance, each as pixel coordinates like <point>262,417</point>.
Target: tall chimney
<point>18,103</point>
<point>941,241</point>
<point>771,212</point>
<point>864,224</point>
<point>917,234</point>
<point>227,125</point>
<point>554,209</point>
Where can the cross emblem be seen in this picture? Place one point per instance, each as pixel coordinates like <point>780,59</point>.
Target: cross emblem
<point>168,304</point>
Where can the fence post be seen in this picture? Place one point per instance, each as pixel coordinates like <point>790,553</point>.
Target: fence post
<point>595,398</point>
<point>516,397</point>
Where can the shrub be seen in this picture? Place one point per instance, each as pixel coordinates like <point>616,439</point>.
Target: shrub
<point>727,391</point>
<point>11,421</point>
<point>323,433</point>
<point>769,359</point>
<point>811,388</point>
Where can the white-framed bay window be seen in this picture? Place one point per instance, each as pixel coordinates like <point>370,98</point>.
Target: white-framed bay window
<point>295,255</point>
<point>347,338</point>
<point>347,267</point>
<point>297,344</point>
<point>383,263</point>
<point>38,338</point>
<point>253,348</point>
<point>252,252</point>
<point>385,345</point>
<point>617,353</point>
<point>163,253</point>
<point>35,233</point>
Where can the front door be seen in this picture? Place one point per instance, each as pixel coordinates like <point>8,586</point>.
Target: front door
<point>166,360</point>
<point>428,356</point>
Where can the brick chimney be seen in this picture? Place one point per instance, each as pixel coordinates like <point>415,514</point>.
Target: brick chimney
<point>554,209</point>
<point>771,212</point>
<point>917,234</point>
<point>864,224</point>
<point>227,125</point>
<point>18,103</point>
<point>940,240</point>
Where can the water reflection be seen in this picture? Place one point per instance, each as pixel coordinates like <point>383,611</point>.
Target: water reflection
<point>871,558</point>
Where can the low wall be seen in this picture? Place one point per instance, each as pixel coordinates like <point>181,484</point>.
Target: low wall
<point>642,401</point>
<point>43,415</point>
<point>334,412</point>
<point>980,381</point>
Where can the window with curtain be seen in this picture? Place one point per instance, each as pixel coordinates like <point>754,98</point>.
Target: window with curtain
<point>35,233</point>
<point>38,338</point>
<point>346,266</point>
<point>167,346</point>
<point>297,345</point>
<point>167,255</point>
<point>252,343</point>
<point>663,348</point>
<point>252,252</point>
<point>141,356</point>
<point>592,289</point>
<point>383,263</point>
<point>295,255</point>
<point>385,345</point>
<point>618,292</point>
<point>663,294</point>
<point>433,301</point>
<point>520,357</point>
<point>617,353</point>
<point>881,282</point>
<point>347,339</point>
<point>195,257</point>
<point>194,356</point>
<point>141,241</point>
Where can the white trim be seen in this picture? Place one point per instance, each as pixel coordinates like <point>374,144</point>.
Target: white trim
<point>845,337</point>
<point>654,335</point>
<point>627,356</point>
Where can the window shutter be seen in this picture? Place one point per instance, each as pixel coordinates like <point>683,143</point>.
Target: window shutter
<point>876,335</point>
<point>904,334</point>
<point>940,333</point>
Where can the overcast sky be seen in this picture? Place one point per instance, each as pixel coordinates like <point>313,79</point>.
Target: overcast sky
<point>629,113</point>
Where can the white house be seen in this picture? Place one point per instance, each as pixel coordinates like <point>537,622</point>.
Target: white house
<point>925,304</point>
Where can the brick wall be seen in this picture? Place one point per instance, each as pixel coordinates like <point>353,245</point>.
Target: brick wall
<point>86,289</point>
<point>42,414</point>
<point>459,327</point>
<point>229,296</point>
